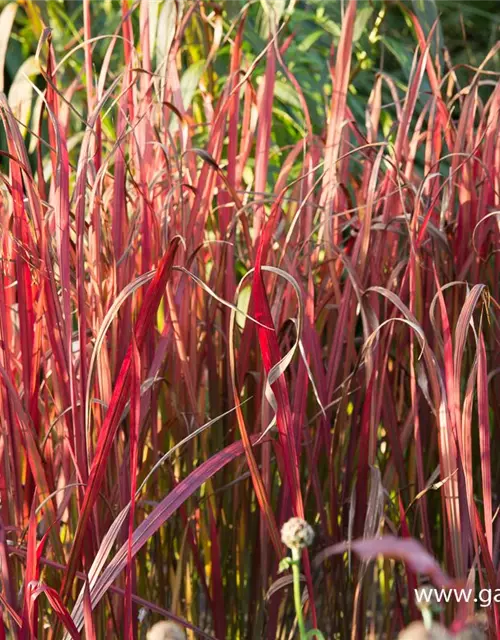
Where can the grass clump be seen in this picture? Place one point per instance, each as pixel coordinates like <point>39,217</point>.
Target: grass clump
<point>246,276</point>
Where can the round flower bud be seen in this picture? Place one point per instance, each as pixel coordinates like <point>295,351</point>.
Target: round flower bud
<point>297,533</point>
<point>166,630</point>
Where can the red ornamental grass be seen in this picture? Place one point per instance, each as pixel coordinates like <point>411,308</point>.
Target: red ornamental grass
<point>205,331</point>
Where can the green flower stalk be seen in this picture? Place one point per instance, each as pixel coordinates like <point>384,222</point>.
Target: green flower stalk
<point>427,606</point>
<point>297,534</point>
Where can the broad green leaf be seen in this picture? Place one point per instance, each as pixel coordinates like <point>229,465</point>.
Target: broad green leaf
<point>309,40</point>
<point>273,12</point>
<point>243,302</point>
<point>402,53</point>
<point>6,21</point>
<point>166,21</point>
<point>33,13</point>
<point>287,119</point>
<point>190,81</point>
<point>21,91</point>
<point>232,9</point>
<point>284,565</point>
<point>362,18</point>
<point>286,94</point>
<point>154,9</point>
<point>331,27</point>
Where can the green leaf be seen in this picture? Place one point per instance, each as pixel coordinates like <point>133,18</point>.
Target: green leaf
<point>362,18</point>
<point>427,14</point>
<point>21,91</point>
<point>165,23</point>
<point>309,40</point>
<point>273,10</point>
<point>284,565</point>
<point>232,9</point>
<point>286,94</point>
<point>6,21</point>
<point>190,82</point>
<point>243,304</point>
<point>315,633</point>
<point>290,123</point>
<point>331,27</point>
<point>402,53</point>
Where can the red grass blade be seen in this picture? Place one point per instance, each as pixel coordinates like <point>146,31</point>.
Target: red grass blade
<point>118,401</point>
<point>336,125</point>
<point>271,356</point>
<point>88,626</point>
<point>57,606</point>
<point>265,105</point>
<point>161,513</point>
<point>135,420</point>
<point>30,610</point>
<point>484,440</point>
<point>405,549</point>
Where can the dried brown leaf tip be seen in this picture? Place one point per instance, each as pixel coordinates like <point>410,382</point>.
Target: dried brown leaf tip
<point>296,533</point>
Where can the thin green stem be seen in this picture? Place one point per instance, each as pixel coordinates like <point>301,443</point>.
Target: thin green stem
<point>297,596</point>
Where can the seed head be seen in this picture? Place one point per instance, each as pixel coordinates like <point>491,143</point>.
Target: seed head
<point>297,533</point>
<point>427,598</point>
<point>166,631</point>
<point>418,631</point>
